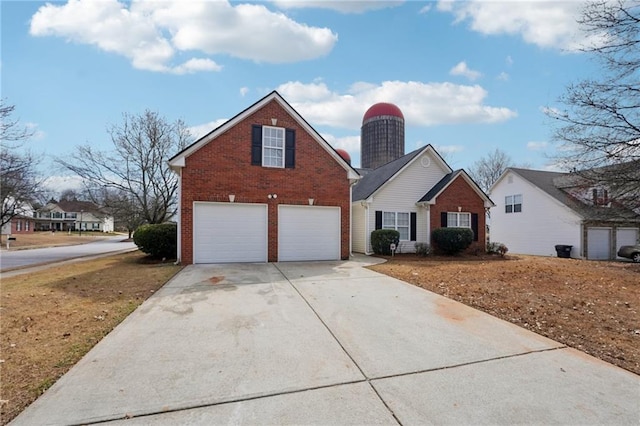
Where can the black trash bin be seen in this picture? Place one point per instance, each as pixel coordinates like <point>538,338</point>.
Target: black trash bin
<point>564,251</point>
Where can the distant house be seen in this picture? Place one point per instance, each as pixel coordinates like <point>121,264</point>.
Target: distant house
<point>537,210</point>
<point>73,216</point>
<point>415,194</point>
<point>22,223</point>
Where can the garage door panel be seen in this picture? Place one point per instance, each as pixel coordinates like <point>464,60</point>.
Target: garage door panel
<point>308,233</point>
<point>626,237</point>
<point>226,232</point>
<point>599,243</point>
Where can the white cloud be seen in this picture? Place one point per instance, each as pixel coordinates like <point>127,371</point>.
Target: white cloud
<point>58,184</point>
<point>200,130</point>
<point>543,23</point>
<point>344,6</point>
<point>244,91</point>
<point>537,146</point>
<point>448,149</point>
<point>462,69</point>
<point>508,60</point>
<point>422,104</point>
<point>503,76</point>
<point>425,9</point>
<point>153,33</point>
<point>36,134</point>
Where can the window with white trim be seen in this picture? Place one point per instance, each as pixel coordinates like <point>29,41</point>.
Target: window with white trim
<point>272,146</point>
<point>19,225</point>
<point>458,220</point>
<point>513,203</point>
<point>398,221</point>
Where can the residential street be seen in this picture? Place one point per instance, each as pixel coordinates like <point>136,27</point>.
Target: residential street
<point>21,258</point>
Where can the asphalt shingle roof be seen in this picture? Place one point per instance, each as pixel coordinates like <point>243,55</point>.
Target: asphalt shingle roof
<point>439,186</point>
<point>552,182</point>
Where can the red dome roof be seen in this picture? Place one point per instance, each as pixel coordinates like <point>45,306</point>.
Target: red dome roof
<point>383,108</point>
<point>344,154</point>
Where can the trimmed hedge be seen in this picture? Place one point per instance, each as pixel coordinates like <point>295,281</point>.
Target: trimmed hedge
<point>381,240</point>
<point>452,240</point>
<point>158,240</point>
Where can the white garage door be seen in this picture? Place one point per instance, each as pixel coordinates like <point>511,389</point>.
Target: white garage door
<point>228,232</point>
<point>599,243</point>
<point>626,237</point>
<point>308,233</point>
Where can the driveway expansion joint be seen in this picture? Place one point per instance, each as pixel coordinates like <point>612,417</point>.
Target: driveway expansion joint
<point>366,378</point>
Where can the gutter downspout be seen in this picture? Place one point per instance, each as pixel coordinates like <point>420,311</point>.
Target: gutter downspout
<point>179,245</point>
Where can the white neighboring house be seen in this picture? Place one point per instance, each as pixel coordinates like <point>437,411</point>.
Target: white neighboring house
<point>415,194</point>
<point>73,215</point>
<point>537,210</point>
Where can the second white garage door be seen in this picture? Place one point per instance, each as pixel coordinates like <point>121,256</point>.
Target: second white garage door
<point>308,233</point>
<point>229,232</point>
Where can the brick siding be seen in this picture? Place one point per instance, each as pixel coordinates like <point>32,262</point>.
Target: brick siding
<point>460,194</point>
<point>223,167</point>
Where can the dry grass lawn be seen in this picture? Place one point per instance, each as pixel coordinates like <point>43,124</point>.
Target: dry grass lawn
<point>588,305</point>
<point>50,319</point>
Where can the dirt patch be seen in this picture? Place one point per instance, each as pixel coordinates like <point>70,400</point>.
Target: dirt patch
<point>591,306</point>
<point>50,319</point>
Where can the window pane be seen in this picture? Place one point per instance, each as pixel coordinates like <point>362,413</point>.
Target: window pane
<point>389,220</point>
<point>403,219</point>
<point>465,220</point>
<point>508,199</point>
<point>452,220</point>
<point>508,208</point>
<point>517,208</point>
<point>404,232</point>
<point>517,199</point>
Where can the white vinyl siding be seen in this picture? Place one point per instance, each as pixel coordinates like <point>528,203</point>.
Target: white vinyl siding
<point>358,228</point>
<point>544,223</point>
<point>229,232</point>
<point>308,233</point>
<point>401,194</point>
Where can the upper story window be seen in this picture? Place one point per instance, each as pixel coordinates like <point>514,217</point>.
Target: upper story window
<point>458,220</point>
<point>272,146</point>
<point>600,197</point>
<point>513,203</point>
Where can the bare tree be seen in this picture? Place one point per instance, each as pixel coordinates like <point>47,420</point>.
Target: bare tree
<point>19,180</point>
<point>599,121</point>
<point>126,212</point>
<point>486,171</point>
<point>136,169</point>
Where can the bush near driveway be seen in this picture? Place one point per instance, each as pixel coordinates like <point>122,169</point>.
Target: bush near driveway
<point>158,240</point>
<point>381,240</point>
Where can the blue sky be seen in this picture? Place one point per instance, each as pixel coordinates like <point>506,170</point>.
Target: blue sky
<point>469,76</point>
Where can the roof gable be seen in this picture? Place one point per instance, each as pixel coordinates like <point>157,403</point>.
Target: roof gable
<point>178,160</point>
<point>374,180</point>
<point>443,184</point>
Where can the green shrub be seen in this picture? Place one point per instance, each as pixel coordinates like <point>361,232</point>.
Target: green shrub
<point>381,240</point>
<point>158,240</point>
<point>497,248</point>
<point>422,249</point>
<point>452,240</point>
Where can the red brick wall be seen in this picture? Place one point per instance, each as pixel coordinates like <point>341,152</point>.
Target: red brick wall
<point>460,194</point>
<point>23,230</point>
<point>223,167</point>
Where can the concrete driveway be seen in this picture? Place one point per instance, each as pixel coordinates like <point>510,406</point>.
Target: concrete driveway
<point>327,343</point>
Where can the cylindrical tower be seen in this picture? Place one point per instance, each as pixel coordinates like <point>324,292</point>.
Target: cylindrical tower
<point>382,135</point>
